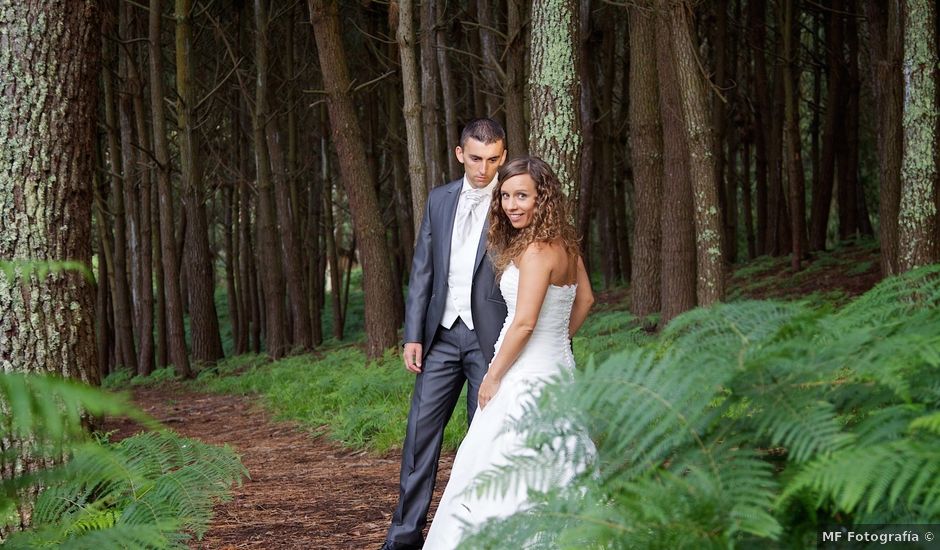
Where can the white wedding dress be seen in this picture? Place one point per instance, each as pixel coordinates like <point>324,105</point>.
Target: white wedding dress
<point>490,441</point>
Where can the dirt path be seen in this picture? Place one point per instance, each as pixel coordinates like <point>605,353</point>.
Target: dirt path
<point>303,492</point>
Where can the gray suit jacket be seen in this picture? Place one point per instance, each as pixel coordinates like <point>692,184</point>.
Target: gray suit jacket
<point>427,288</point>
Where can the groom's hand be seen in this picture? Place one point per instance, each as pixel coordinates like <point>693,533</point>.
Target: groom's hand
<point>412,356</point>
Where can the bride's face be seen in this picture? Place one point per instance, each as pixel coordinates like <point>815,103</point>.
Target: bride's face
<point>517,197</point>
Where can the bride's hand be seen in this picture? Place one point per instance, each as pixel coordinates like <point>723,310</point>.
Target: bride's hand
<point>488,388</point>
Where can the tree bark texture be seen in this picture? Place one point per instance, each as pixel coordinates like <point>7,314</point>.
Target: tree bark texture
<point>47,164</point>
<point>646,146</point>
<point>380,320</point>
<point>886,48</point>
<point>555,135</point>
<point>269,249</point>
<point>176,337</point>
<point>678,228</point>
<point>691,82</point>
<point>404,33</point>
<point>514,90</point>
<point>791,86</point>
<point>204,321</point>
<point>822,188</point>
<point>917,219</point>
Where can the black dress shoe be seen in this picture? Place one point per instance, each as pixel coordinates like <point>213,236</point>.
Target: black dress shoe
<point>392,545</point>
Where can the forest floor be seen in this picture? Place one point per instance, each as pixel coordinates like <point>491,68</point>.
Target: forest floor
<point>308,492</point>
<point>303,492</point>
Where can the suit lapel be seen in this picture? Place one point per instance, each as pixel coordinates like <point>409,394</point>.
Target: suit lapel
<point>481,248</point>
<point>449,210</point>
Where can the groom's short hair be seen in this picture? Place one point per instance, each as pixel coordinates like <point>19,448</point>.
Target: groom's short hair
<point>484,130</point>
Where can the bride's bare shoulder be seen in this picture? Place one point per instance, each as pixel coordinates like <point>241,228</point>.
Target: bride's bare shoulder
<point>541,255</point>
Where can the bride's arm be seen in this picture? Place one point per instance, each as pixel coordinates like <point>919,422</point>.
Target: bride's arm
<point>583,300</point>
<point>535,270</point>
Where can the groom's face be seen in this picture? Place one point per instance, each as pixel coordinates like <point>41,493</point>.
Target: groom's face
<point>481,160</point>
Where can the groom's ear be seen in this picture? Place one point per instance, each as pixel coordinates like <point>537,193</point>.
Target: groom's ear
<point>458,152</point>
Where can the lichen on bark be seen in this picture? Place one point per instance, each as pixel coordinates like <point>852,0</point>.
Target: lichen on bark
<point>555,133</point>
<point>917,218</point>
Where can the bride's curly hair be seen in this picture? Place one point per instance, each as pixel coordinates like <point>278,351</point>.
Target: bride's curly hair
<point>551,220</point>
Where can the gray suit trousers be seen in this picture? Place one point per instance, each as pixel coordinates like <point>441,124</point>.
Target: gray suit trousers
<point>454,357</point>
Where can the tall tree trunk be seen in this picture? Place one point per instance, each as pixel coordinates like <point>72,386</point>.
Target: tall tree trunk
<point>886,47</point>
<point>404,33</point>
<point>491,61</point>
<point>130,169</point>
<point>380,321</point>
<point>917,219</point>
<point>514,91</point>
<point>449,92</point>
<point>48,113</point>
<point>204,321</point>
<point>286,227</point>
<point>762,114</point>
<point>646,145</point>
<point>586,106</point>
<point>747,202</point>
<point>848,160</point>
<point>430,105</point>
<point>145,358</point>
<point>269,249</point>
<point>104,309</point>
<point>171,265</point>
<point>678,227</point>
<point>791,86</point>
<point>336,275</point>
<point>711,284</point>
<point>719,114</point>
<point>159,285</point>
<point>555,91</point>
<point>822,188</point>
<point>124,326</point>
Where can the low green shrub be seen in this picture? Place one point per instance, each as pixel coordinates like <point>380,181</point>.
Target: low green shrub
<point>154,490</point>
<point>745,424</point>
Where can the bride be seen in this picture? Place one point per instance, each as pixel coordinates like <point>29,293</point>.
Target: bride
<point>534,248</point>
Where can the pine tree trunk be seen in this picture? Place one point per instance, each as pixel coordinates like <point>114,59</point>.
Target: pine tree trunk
<point>404,33</point>
<point>124,327</point>
<point>646,145</point>
<point>516,133</point>
<point>290,245</point>
<point>176,338</point>
<point>162,346</point>
<point>917,219</point>
<point>204,321</point>
<point>491,61</point>
<point>554,90</point>
<point>381,323</point>
<point>886,48</point>
<point>145,324</point>
<point>711,285</point>
<point>449,93</point>
<point>762,114</point>
<point>791,85</point>
<point>678,227</point>
<point>269,249</point>
<point>47,114</point>
<point>849,222</point>
<point>430,105</point>
<point>588,144</point>
<point>130,170</point>
<point>822,188</point>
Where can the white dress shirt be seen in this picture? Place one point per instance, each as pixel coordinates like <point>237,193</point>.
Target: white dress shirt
<point>463,253</point>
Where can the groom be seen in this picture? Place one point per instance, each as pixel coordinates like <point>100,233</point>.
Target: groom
<point>453,315</point>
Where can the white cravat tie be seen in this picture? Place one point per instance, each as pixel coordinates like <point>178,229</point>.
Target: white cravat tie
<point>468,213</point>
